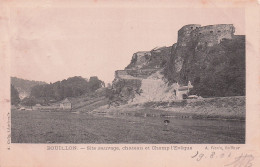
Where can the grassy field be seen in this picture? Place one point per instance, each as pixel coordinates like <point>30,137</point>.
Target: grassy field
<point>66,127</point>
<point>229,108</point>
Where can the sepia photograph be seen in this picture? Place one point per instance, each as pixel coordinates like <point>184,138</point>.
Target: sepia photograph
<point>156,83</point>
<point>127,76</point>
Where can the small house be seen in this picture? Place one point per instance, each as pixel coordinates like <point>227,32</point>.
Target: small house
<point>66,104</point>
<point>182,91</point>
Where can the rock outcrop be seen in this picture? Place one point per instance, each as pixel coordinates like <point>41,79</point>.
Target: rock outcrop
<point>129,83</point>
<point>210,58</point>
<point>154,59</point>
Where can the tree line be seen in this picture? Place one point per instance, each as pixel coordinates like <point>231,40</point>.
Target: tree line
<point>71,87</point>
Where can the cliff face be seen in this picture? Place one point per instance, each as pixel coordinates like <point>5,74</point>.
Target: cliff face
<point>129,83</point>
<point>211,57</point>
<point>145,63</point>
<point>154,59</point>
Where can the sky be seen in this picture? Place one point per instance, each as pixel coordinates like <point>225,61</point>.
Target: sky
<point>50,44</point>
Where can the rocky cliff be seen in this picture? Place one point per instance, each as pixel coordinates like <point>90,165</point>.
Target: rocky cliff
<point>210,58</point>
<point>154,59</point>
<point>139,79</point>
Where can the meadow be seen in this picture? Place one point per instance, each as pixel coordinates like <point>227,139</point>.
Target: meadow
<point>69,127</point>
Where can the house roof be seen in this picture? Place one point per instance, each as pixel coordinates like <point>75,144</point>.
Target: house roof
<point>66,101</point>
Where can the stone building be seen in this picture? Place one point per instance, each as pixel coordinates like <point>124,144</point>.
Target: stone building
<point>206,35</point>
<point>181,91</point>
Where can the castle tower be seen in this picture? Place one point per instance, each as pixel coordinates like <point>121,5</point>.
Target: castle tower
<point>213,34</point>
<point>206,35</point>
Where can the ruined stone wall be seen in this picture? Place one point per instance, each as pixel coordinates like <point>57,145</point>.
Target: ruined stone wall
<point>142,57</point>
<point>143,73</point>
<point>213,34</point>
<point>184,34</point>
<point>193,37</point>
<point>140,73</point>
<point>156,58</point>
<point>139,59</point>
<point>206,35</point>
<point>120,73</point>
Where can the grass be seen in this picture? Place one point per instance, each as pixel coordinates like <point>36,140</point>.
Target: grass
<point>67,127</point>
<point>213,108</point>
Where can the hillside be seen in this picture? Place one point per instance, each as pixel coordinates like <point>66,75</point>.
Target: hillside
<point>208,61</point>
<point>24,86</point>
<point>54,92</point>
<point>216,71</point>
<point>135,81</point>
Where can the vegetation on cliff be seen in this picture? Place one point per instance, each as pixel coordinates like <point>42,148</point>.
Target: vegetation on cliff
<point>216,71</point>
<point>211,57</point>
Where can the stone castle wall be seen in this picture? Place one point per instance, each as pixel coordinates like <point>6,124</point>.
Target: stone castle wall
<point>184,34</point>
<point>141,57</point>
<point>120,73</point>
<point>141,73</point>
<point>207,35</point>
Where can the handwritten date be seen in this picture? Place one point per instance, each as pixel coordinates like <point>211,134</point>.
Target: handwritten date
<point>243,160</point>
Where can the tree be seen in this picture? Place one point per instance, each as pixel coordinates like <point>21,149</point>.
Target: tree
<point>94,83</point>
<point>71,87</point>
<point>29,101</point>
<point>14,96</point>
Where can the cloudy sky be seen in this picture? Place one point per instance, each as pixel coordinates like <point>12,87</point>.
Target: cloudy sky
<point>51,44</point>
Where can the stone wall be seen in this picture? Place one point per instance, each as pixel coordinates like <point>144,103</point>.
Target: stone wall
<point>120,73</point>
<point>206,35</point>
<point>184,34</point>
<point>140,73</point>
<point>194,38</point>
<point>139,59</point>
<point>213,34</point>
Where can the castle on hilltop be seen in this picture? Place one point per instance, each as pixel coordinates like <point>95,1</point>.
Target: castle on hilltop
<point>181,64</point>
<point>206,35</point>
<point>145,63</point>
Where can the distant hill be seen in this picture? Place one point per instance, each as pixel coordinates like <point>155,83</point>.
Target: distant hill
<point>71,87</point>
<point>24,86</point>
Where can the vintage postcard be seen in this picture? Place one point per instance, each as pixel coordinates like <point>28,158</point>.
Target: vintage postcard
<point>130,83</point>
